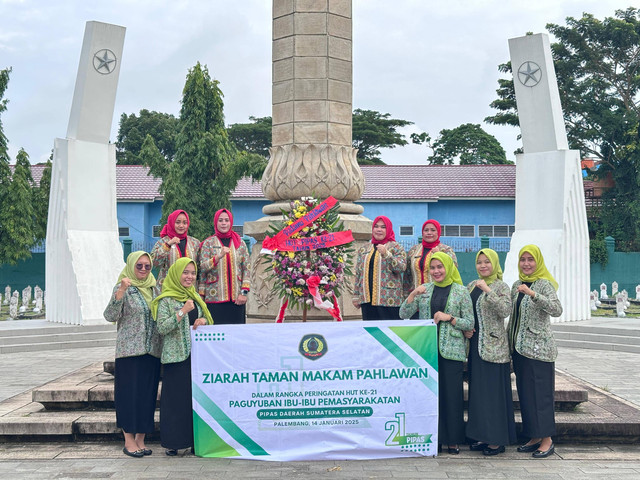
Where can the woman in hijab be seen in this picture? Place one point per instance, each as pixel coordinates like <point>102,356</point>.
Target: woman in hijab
<point>534,350</point>
<point>447,301</point>
<point>490,419</point>
<point>419,256</point>
<point>138,346</point>
<point>378,280</point>
<point>175,309</point>
<point>224,271</point>
<point>174,243</point>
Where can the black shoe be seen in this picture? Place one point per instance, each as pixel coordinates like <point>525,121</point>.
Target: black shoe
<point>134,454</point>
<point>146,451</point>
<point>478,446</point>
<point>528,448</point>
<point>453,450</point>
<point>545,454</point>
<point>171,452</point>
<point>493,451</point>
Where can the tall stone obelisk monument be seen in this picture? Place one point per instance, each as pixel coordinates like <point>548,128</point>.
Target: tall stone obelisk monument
<point>550,208</point>
<point>311,152</point>
<point>84,255</point>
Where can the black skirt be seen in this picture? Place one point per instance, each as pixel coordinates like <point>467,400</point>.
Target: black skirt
<point>135,393</point>
<point>490,417</point>
<point>227,313</point>
<point>450,402</point>
<point>535,381</point>
<point>176,417</point>
<point>378,312</point>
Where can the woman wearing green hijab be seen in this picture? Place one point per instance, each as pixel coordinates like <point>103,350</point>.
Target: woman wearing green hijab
<point>533,349</point>
<point>490,419</point>
<point>448,303</point>
<point>176,309</point>
<point>138,346</point>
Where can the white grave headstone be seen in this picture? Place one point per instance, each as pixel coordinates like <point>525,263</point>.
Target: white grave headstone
<point>592,302</point>
<point>13,306</point>
<point>614,288</point>
<point>598,302</point>
<point>637,292</point>
<point>603,291</point>
<point>38,307</point>
<point>7,294</point>
<point>620,305</point>
<point>625,294</point>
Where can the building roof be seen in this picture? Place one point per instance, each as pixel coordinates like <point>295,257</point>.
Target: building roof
<point>382,182</point>
<point>133,182</point>
<point>422,182</point>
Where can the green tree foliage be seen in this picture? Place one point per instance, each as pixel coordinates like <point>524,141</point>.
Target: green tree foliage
<point>41,202</point>
<point>153,158</point>
<point>468,144</point>
<point>374,130</point>
<point>197,179</point>
<point>597,64</point>
<point>133,131</point>
<point>5,171</point>
<point>254,137</point>
<point>17,216</point>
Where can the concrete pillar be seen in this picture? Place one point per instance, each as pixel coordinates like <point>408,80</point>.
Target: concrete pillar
<point>550,209</point>
<point>311,111</point>
<point>84,255</point>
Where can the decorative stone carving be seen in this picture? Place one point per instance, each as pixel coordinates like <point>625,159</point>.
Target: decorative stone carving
<point>325,170</point>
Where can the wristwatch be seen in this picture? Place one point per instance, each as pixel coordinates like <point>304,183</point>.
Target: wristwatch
<point>180,313</point>
<point>244,292</point>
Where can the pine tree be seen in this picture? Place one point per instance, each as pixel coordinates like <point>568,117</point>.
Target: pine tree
<point>197,179</point>
<point>17,214</point>
<point>41,203</point>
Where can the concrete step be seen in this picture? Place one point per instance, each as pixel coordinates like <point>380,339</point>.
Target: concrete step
<point>596,329</point>
<point>34,347</point>
<point>56,337</point>
<point>616,347</point>
<point>598,338</point>
<point>42,327</point>
<point>601,417</point>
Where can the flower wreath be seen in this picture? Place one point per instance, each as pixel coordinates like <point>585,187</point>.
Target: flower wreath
<point>310,255</point>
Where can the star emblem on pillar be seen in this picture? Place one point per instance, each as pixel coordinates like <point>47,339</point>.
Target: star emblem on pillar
<point>529,74</point>
<point>104,61</point>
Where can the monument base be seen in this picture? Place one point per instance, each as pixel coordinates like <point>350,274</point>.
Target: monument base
<point>263,303</point>
<point>550,213</point>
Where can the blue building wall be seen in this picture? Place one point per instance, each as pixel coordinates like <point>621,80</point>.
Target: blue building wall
<point>141,217</point>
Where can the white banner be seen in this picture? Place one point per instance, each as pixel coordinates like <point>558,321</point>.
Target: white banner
<point>316,391</point>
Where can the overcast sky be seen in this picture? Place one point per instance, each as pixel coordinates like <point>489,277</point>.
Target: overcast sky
<point>432,62</point>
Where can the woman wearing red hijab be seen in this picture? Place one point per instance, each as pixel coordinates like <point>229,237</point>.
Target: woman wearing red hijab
<point>379,267</point>
<point>419,256</point>
<point>174,243</point>
<point>223,271</point>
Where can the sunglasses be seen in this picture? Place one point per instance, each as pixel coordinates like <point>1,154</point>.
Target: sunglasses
<point>143,266</point>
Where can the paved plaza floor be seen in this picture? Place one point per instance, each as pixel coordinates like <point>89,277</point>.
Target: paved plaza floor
<point>616,372</point>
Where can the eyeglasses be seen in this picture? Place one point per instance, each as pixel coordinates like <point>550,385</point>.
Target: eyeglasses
<point>143,266</point>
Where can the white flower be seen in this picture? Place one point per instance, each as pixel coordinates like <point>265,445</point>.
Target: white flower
<point>324,280</point>
<point>309,302</point>
<point>307,271</point>
<point>300,281</point>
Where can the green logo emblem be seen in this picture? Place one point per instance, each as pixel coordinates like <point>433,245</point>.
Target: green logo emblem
<point>313,346</point>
